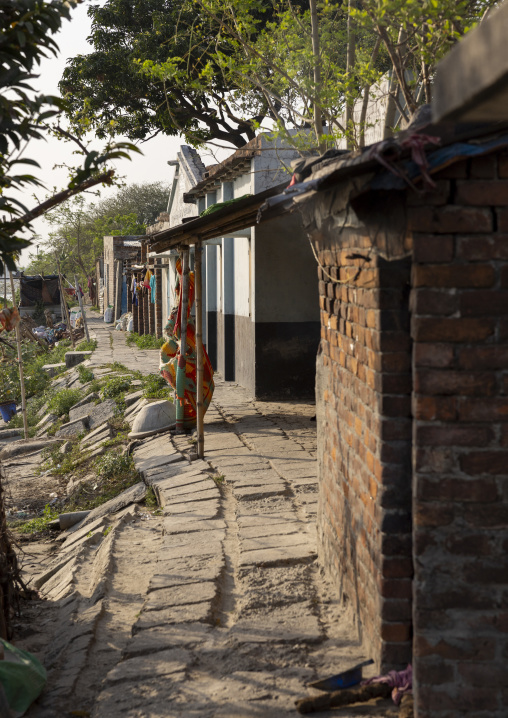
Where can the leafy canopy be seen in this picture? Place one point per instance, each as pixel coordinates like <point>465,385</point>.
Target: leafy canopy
<point>26,29</point>
<point>78,227</point>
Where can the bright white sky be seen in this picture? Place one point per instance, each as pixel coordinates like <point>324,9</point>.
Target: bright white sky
<point>149,167</point>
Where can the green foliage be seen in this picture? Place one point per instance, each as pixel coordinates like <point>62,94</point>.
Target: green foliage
<point>156,387</point>
<point>85,374</point>
<point>113,465</point>
<point>87,346</point>
<point>150,499</point>
<point>79,227</point>
<point>144,341</point>
<point>224,70</point>
<point>26,38</point>
<point>39,524</point>
<point>115,386</point>
<point>63,400</point>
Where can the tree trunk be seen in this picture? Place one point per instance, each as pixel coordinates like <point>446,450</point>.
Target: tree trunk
<point>318,120</point>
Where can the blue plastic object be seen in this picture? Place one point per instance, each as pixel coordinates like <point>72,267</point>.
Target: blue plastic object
<point>346,679</point>
<point>8,410</point>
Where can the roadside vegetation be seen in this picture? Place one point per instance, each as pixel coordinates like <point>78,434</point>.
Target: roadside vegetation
<point>94,474</point>
<point>144,341</point>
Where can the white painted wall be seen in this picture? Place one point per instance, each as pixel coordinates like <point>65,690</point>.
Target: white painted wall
<point>242,283</point>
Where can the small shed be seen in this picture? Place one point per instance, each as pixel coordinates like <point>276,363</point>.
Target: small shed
<point>37,290</point>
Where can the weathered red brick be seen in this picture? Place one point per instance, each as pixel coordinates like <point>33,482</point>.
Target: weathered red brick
<point>450,220</point>
<point>440,302</point>
<point>478,248</point>
<point>483,303</point>
<point>448,382</point>
<point>486,192</point>
<point>484,462</point>
<point>432,249</point>
<point>475,409</point>
<point>453,275</point>
<point>483,357</point>
<point>433,355</point>
<point>425,329</point>
<point>453,435</point>
<point>432,408</point>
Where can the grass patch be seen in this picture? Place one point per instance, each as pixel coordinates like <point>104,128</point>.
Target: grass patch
<point>87,346</point>
<point>39,524</point>
<point>150,500</point>
<point>156,387</point>
<point>115,474</point>
<point>94,309</point>
<point>115,386</point>
<point>62,464</point>
<point>62,401</point>
<point>144,341</point>
<point>85,374</point>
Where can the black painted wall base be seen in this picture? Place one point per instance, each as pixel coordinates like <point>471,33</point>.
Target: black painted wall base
<point>286,359</point>
<point>211,336</point>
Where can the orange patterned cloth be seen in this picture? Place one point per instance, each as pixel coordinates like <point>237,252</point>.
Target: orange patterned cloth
<point>9,319</point>
<point>170,354</point>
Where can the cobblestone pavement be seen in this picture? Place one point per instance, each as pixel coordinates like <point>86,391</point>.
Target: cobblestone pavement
<point>218,607</point>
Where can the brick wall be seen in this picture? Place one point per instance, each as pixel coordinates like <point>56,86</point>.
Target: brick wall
<point>460,458</point>
<point>364,433</point>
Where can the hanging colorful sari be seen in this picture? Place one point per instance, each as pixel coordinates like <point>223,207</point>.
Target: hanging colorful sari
<point>170,354</point>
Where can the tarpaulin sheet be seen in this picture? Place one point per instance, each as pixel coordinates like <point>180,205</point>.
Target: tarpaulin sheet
<point>37,289</point>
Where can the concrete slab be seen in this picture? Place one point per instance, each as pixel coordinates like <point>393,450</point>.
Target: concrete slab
<point>275,541</point>
<point>160,664</point>
<point>176,614</point>
<point>54,369</point>
<point>295,623</point>
<point>153,640</point>
<point>72,428</point>
<point>181,595</point>
<point>300,553</point>
<point>102,412</point>
<point>74,358</point>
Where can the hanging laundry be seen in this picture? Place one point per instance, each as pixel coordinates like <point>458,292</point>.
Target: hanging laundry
<point>9,319</point>
<point>170,353</point>
<point>146,281</point>
<point>152,289</point>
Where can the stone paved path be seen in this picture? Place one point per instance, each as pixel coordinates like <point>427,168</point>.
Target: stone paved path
<point>218,607</point>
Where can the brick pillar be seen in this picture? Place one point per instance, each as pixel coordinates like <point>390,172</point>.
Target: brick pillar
<point>363,396</point>
<point>460,458</point>
<point>158,300</point>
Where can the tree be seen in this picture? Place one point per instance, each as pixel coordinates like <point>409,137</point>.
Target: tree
<point>25,38</point>
<point>225,69</point>
<point>79,227</point>
<point>108,91</point>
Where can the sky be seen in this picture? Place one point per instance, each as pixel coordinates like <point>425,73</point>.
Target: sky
<point>149,167</point>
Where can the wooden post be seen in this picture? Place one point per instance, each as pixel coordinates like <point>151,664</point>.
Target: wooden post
<point>80,300</point>
<point>20,364</point>
<point>182,359</point>
<point>66,309</point>
<point>198,252</point>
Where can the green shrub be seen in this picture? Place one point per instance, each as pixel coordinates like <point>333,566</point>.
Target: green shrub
<point>87,346</point>
<point>144,341</point>
<point>63,400</point>
<point>116,386</point>
<point>85,374</point>
<point>156,387</point>
<point>39,524</point>
<point>113,465</point>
